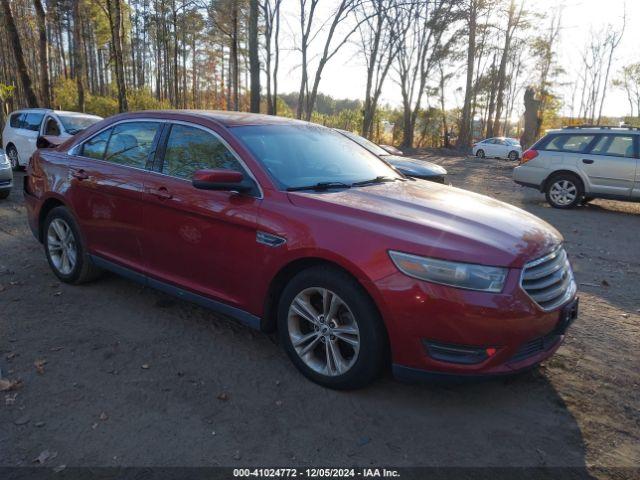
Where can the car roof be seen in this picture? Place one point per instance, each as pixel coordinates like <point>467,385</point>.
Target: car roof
<point>57,112</point>
<point>595,129</point>
<point>222,117</point>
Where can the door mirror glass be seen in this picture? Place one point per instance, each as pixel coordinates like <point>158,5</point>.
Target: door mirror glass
<point>216,179</point>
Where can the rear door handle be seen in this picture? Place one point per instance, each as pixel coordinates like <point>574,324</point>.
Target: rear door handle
<point>587,161</point>
<point>161,193</point>
<point>80,175</point>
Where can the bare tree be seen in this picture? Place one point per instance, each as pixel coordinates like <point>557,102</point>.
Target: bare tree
<point>23,71</point>
<point>254,59</point>
<point>379,43</point>
<point>43,47</point>
<point>79,54</point>
<point>422,41</point>
<point>271,14</point>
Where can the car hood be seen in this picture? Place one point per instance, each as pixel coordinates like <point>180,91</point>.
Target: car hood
<point>429,219</point>
<point>415,167</point>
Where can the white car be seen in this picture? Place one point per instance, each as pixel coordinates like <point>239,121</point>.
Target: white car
<point>498,147</point>
<point>25,126</point>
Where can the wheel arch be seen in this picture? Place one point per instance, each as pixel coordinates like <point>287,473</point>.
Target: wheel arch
<point>292,268</point>
<point>48,205</point>
<point>565,171</point>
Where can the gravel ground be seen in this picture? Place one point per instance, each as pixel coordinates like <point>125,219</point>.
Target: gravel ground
<point>113,374</point>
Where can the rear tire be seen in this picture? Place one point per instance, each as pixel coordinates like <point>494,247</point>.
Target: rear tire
<point>331,329</point>
<point>12,153</point>
<point>564,190</point>
<point>65,251</point>
<point>480,153</point>
<point>4,194</point>
<point>513,155</point>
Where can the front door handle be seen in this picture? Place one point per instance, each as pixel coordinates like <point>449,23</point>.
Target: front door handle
<point>80,175</point>
<point>162,193</point>
<point>587,161</point>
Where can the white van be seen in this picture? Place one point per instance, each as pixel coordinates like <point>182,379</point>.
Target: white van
<point>25,126</point>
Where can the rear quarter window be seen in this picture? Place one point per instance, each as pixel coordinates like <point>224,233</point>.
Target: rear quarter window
<point>33,121</point>
<point>15,120</point>
<point>576,143</point>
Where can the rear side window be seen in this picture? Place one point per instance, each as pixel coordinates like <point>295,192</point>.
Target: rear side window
<point>614,145</point>
<point>16,119</point>
<point>51,127</point>
<point>569,143</point>
<point>33,121</point>
<point>190,149</point>
<point>131,143</point>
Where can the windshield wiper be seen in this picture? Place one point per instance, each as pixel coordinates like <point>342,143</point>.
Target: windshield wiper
<point>320,186</point>
<point>378,179</point>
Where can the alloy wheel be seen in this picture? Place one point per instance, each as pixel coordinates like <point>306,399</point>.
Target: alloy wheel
<point>563,192</point>
<point>12,153</point>
<point>513,156</point>
<point>323,331</point>
<point>61,245</point>
<point>480,153</point>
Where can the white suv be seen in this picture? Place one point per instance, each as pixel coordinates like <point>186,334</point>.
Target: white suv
<point>25,126</point>
<point>577,164</point>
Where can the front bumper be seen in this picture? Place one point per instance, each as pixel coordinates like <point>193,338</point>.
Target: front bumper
<point>518,333</point>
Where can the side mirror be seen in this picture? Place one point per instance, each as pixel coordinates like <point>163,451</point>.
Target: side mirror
<point>48,141</point>
<point>224,180</point>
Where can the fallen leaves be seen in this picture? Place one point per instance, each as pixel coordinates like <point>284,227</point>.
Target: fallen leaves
<point>8,385</point>
<point>145,366</point>
<point>103,417</point>
<point>44,456</point>
<point>224,396</point>
<point>39,364</point>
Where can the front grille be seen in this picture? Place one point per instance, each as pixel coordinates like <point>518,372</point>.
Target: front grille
<point>535,346</point>
<point>549,280</point>
<point>4,182</point>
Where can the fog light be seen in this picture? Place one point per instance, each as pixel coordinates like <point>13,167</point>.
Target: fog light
<point>462,354</point>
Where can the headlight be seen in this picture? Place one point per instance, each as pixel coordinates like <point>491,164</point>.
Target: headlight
<point>3,158</point>
<point>454,274</point>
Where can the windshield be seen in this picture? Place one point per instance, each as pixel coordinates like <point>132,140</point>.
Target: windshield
<point>512,141</point>
<point>76,123</point>
<point>306,154</point>
<point>368,144</point>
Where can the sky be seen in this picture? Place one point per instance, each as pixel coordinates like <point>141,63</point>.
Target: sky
<point>344,75</point>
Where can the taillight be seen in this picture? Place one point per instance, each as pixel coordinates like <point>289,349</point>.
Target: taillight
<point>528,155</point>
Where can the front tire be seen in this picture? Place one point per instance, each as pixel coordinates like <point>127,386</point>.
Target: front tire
<point>564,190</point>
<point>65,251</point>
<point>513,156</point>
<point>480,153</point>
<point>330,329</point>
<point>4,194</point>
<point>12,153</point>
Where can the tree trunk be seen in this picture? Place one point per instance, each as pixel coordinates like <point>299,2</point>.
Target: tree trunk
<point>115,20</point>
<point>79,54</point>
<point>23,72</point>
<point>532,120</point>
<point>466,122</point>
<point>254,60</point>
<point>43,47</point>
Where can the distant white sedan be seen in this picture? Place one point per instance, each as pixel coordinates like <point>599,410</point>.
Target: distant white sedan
<point>498,147</point>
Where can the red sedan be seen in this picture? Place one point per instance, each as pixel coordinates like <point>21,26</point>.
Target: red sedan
<point>290,226</point>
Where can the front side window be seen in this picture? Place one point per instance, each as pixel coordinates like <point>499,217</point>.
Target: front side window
<point>16,120</point>
<point>33,121</point>
<point>51,127</point>
<point>190,149</point>
<point>614,145</point>
<point>96,146</point>
<point>302,155</point>
<point>569,143</point>
<point>130,143</point>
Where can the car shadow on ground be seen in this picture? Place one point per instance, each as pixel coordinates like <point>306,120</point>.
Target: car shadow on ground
<point>133,377</point>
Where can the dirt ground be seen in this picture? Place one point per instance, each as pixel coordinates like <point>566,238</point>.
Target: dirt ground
<point>116,374</point>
